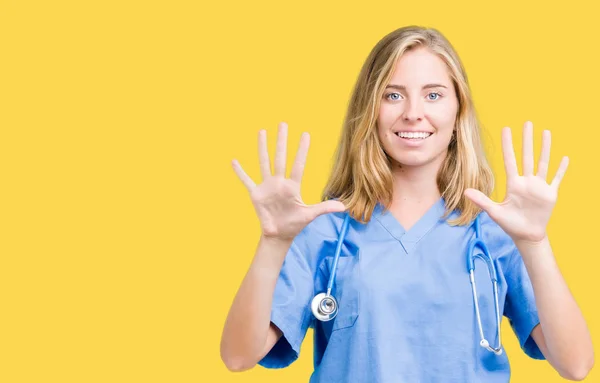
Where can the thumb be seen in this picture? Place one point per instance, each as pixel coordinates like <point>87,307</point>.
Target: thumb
<point>480,200</point>
<point>329,206</point>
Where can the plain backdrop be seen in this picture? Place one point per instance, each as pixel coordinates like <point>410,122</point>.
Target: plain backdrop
<point>124,232</point>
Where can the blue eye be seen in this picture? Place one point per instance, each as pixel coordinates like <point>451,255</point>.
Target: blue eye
<point>393,94</point>
<point>434,94</point>
<point>387,96</point>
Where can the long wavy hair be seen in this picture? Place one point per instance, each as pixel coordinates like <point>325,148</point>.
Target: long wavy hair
<point>361,175</point>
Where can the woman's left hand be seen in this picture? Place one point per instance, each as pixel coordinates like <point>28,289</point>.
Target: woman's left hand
<point>529,201</point>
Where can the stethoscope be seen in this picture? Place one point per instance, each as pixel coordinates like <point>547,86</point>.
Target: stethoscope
<point>325,307</point>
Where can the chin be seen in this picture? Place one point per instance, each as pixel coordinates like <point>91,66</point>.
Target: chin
<point>415,161</point>
<point>410,164</point>
<point>411,160</point>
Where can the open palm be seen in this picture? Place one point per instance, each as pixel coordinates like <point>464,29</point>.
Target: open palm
<point>525,212</point>
<point>277,201</point>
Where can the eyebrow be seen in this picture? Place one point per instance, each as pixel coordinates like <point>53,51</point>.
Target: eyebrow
<point>402,87</point>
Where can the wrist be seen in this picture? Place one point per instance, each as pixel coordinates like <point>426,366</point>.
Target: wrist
<point>532,244</point>
<point>271,253</point>
<point>276,242</point>
<point>534,252</point>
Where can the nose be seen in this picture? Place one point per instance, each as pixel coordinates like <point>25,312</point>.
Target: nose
<point>413,111</point>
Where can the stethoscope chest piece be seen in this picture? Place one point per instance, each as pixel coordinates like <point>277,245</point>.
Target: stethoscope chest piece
<point>324,307</point>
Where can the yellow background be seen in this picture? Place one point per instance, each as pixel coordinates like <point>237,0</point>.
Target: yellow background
<point>124,231</point>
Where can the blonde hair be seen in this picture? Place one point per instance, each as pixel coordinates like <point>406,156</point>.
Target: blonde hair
<point>361,175</point>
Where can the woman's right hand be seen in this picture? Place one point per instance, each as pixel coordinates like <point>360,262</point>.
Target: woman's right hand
<point>277,201</point>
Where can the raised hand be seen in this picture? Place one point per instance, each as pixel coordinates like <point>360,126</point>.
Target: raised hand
<point>529,201</point>
<point>277,201</point>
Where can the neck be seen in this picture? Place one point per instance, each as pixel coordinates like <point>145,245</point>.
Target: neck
<point>416,185</point>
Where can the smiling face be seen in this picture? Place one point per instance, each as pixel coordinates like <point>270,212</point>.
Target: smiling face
<point>418,110</point>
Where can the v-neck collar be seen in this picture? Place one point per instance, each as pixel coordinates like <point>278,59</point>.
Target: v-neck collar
<point>409,239</point>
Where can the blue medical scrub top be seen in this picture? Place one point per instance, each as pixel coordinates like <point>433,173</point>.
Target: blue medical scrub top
<point>406,310</point>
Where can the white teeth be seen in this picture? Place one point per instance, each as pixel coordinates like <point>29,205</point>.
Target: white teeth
<point>413,134</point>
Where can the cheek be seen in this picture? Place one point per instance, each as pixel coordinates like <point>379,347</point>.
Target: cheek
<point>381,133</point>
<point>384,121</point>
<point>443,118</point>
<point>386,116</point>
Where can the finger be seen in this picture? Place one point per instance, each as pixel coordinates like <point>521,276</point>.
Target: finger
<point>545,155</point>
<point>280,153</point>
<point>528,149</point>
<point>246,180</point>
<point>300,162</point>
<point>560,173</point>
<point>329,206</point>
<point>508,152</point>
<point>263,154</point>
<point>481,200</point>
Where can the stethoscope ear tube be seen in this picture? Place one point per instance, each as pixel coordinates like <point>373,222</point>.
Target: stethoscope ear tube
<point>324,306</point>
<point>489,261</point>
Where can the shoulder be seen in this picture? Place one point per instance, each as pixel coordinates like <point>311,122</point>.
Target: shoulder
<point>325,227</point>
<point>318,239</point>
<point>499,243</point>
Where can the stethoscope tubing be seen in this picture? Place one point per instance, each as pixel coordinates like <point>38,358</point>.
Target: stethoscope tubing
<point>325,307</point>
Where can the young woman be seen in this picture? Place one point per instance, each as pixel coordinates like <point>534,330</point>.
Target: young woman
<point>403,293</point>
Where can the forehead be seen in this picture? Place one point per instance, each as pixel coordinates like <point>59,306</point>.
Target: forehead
<point>420,66</point>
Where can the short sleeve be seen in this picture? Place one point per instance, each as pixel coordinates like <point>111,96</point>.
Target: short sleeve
<point>520,307</point>
<point>290,310</point>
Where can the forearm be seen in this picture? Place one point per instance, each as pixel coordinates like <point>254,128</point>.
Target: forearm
<point>563,326</point>
<point>246,328</point>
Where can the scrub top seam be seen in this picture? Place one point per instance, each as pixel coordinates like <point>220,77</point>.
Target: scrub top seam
<point>388,230</point>
<point>418,239</point>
